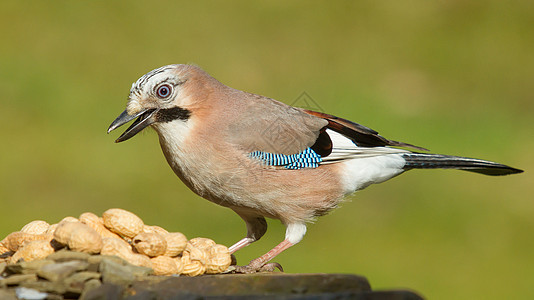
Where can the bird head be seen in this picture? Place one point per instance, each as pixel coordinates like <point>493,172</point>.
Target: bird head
<point>157,97</point>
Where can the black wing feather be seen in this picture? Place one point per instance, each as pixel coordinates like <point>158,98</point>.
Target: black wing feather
<point>361,135</point>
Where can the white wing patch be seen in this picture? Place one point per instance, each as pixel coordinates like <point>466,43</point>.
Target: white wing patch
<point>362,166</point>
<point>345,149</point>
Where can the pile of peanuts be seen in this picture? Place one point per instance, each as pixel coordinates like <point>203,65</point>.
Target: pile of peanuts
<point>121,233</point>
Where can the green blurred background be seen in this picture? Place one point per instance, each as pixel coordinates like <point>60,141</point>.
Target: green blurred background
<point>453,76</point>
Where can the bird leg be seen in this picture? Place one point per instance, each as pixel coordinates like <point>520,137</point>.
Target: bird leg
<point>294,234</point>
<point>256,228</point>
<point>241,244</point>
<point>259,264</point>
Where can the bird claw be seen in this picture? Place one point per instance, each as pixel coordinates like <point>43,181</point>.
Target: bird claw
<point>252,268</point>
<point>270,267</point>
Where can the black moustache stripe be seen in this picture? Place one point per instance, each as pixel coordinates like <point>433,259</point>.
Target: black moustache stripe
<point>171,114</point>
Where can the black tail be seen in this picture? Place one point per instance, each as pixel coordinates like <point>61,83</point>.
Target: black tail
<point>438,161</point>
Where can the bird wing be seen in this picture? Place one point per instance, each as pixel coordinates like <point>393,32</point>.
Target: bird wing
<point>282,135</point>
<point>270,126</point>
<point>349,140</point>
<point>359,134</point>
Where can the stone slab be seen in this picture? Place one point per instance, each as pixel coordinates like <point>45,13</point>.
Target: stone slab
<point>263,286</point>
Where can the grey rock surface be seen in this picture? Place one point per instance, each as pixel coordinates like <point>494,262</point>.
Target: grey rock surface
<point>29,294</point>
<point>7,294</point>
<point>115,273</point>
<point>61,270</point>
<point>17,279</point>
<point>263,286</point>
<point>71,275</point>
<point>66,255</point>
<point>31,267</point>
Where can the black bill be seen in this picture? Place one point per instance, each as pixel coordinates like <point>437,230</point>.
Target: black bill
<point>144,119</point>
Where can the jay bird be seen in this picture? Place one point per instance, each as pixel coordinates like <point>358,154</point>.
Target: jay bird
<point>263,158</point>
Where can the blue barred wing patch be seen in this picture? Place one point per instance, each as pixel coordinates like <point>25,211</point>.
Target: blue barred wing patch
<point>305,159</point>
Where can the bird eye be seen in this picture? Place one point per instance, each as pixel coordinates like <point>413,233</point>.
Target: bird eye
<point>164,91</point>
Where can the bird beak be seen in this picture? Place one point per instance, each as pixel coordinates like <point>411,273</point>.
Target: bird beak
<point>144,118</point>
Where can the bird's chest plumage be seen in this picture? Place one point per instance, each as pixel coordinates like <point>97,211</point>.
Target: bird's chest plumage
<point>229,177</point>
<point>206,167</point>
